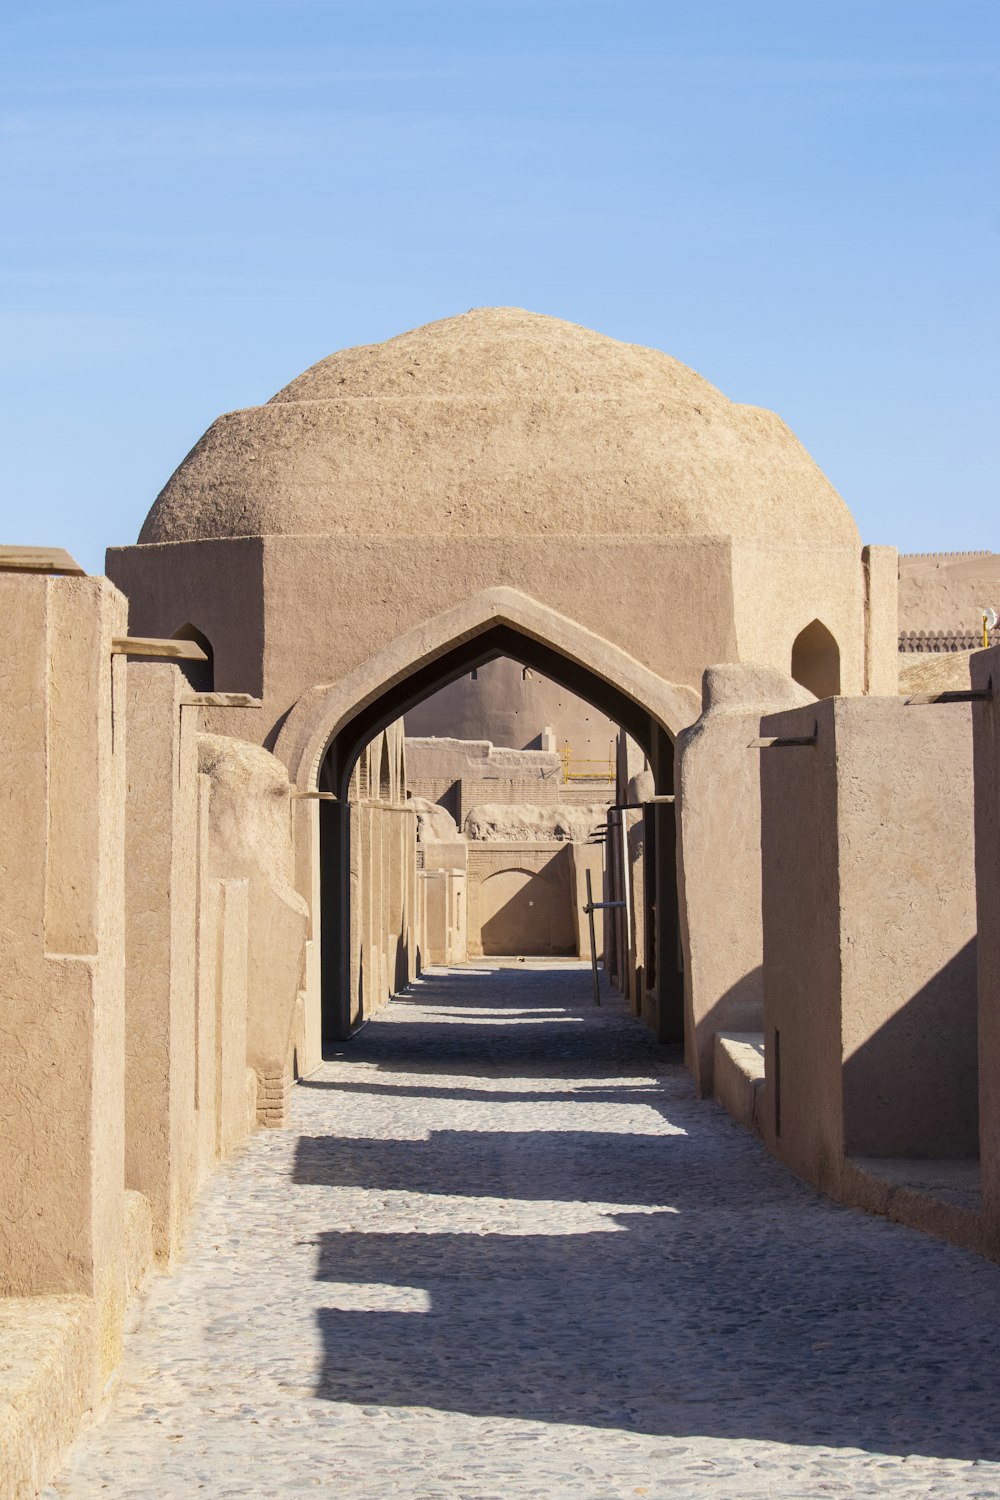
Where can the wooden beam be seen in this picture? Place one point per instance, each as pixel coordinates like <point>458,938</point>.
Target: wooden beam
<point>221,700</point>
<point>142,645</point>
<point>972,696</point>
<point>39,560</point>
<point>778,743</point>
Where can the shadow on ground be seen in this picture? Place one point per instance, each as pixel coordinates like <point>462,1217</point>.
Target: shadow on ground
<point>740,1305</point>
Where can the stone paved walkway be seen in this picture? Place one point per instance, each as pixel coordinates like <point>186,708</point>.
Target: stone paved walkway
<point>506,1253</point>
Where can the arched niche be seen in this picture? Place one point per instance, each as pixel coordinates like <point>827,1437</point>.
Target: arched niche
<point>816,660</point>
<point>523,913</point>
<point>200,674</point>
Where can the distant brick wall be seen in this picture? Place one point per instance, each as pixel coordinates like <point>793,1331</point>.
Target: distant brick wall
<point>460,795</point>
<point>974,552</point>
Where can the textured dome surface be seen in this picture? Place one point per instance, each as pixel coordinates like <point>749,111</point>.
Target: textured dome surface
<point>499,423</point>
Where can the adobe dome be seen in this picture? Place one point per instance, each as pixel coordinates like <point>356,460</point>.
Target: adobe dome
<point>499,423</point>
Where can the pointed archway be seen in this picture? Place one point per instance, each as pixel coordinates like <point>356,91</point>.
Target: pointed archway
<point>328,728</point>
<point>816,660</point>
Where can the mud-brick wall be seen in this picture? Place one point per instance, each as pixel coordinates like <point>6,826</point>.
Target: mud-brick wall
<point>521,899</point>
<point>869,918</point>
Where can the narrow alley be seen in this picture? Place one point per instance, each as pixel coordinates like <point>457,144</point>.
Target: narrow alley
<point>504,1252</point>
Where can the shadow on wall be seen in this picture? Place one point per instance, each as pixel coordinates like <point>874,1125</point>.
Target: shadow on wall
<point>911,1090</point>
<point>740,1009</point>
<point>200,674</point>
<point>523,912</point>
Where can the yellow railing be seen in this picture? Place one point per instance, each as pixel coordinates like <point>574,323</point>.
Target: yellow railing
<point>592,769</point>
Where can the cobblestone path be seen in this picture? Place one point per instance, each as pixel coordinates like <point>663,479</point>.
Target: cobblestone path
<point>504,1252</point>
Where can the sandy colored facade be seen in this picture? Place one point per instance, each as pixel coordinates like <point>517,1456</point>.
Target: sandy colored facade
<point>219,854</point>
<point>719,860</point>
<point>871,1027</point>
<point>510,832</point>
<point>383,897</point>
<point>635,529</point>
<point>150,983</point>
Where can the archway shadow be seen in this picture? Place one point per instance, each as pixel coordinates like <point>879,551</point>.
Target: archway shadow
<point>654,1328</point>
<point>739,1304</point>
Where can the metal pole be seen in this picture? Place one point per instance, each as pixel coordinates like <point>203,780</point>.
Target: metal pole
<point>623,832</point>
<point>593,939</point>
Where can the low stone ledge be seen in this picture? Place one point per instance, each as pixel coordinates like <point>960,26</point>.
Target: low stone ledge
<point>48,1362</point>
<point>738,1075</point>
<point>938,1197</point>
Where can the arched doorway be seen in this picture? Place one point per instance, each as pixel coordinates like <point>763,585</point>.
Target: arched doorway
<point>521,916</point>
<point>329,727</point>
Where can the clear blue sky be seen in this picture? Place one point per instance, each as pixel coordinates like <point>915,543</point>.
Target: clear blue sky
<point>799,198</point>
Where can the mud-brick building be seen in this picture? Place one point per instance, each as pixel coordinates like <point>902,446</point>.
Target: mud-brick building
<point>211,856</point>
<point>499,485</point>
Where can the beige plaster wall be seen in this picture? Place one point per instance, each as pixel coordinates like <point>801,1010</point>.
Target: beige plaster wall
<point>62,945</point>
<point>718,856</point>
<point>521,897</point>
<point>802,1116</point>
<point>162,976</point>
<point>780,588</point>
<point>510,707</point>
<point>909,938</point>
<point>869,934</point>
<point>250,838</point>
<point>458,774</point>
<point>881,566</point>
<point>232,947</point>
<point>624,939</point>
<point>448,757</point>
<point>147,907</point>
<point>442,916</point>
<point>165,593</point>
<point>385,905</point>
<point>64,1264</point>
<point>47,1385</point>
<point>500,822</point>
<point>584,856</point>
<point>215,945</point>
<point>330,603</point>
<point>942,591</point>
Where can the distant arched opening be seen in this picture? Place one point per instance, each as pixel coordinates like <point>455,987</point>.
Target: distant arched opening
<point>200,674</point>
<point>385,774</point>
<point>816,660</point>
